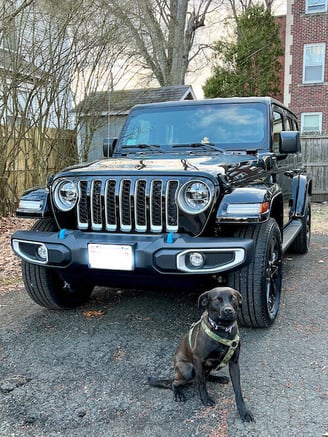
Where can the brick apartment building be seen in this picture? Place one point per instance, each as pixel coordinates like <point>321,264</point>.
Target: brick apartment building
<point>306,66</point>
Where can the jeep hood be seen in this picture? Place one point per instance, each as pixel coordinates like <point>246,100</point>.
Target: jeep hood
<point>212,164</point>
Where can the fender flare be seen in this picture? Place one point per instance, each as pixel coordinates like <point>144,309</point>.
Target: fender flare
<point>245,195</point>
<point>301,189</point>
<point>39,200</point>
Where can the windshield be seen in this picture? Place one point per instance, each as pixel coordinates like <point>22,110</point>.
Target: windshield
<point>228,126</point>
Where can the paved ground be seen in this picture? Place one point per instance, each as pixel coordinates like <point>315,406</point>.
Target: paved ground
<point>83,372</point>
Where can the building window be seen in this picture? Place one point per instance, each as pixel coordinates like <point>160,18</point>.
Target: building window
<point>314,63</point>
<point>311,122</point>
<point>313,6</point>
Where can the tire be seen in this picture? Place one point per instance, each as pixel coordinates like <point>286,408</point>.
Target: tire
<point>301,243</point>
<point>260,281</point>
<point>45,284</point>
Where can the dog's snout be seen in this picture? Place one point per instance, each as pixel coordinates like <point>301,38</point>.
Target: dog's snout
<point>228,310</point>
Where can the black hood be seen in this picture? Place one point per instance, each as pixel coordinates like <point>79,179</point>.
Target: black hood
<point>225,164</point>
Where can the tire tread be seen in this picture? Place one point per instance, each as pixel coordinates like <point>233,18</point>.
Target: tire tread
<point>249,280</point>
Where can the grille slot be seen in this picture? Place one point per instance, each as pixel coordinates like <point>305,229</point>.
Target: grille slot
<point>171,206</point>
<point>156,206</point>
<point>96,206</point>
<point>110,205</point>
<point>140,206</point>
<point>128,205</point>
<point>125,205</point>
<point>82,207</point>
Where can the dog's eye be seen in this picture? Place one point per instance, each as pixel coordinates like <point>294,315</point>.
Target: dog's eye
<point>219,299</point>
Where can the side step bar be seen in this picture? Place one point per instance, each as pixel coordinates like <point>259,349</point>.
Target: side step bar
<point>290,233</point>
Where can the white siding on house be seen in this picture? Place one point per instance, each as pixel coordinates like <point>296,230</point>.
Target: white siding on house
<point>30,86</point>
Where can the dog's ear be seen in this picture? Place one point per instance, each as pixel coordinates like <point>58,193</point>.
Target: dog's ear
<point>239,298</point>
<point>203,300</point>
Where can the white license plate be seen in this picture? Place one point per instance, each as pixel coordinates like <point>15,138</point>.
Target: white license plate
<point>110,257</point>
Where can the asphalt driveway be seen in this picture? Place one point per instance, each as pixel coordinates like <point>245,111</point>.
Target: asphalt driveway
<point>83,372</point>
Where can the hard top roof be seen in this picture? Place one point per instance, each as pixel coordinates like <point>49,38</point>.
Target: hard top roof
<point>266,100</point>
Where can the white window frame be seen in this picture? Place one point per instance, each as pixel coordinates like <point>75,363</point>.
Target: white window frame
<point>305,114</point>
<point>315,6</point>
<point>305,65</point>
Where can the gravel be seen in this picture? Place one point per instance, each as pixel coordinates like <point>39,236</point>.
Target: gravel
<point>83,372</point>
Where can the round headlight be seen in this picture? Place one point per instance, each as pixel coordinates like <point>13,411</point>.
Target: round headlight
<point>194,197</point>
<point>65,195</point>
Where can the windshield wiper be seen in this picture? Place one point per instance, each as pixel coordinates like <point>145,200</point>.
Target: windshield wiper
<point>208,146</point>
<point>151,147</point>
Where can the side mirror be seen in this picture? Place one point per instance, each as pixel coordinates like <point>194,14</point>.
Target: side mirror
<point>289,142</point>
<point>109,146</point>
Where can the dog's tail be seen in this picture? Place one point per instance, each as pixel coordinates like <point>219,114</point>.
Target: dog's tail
<point>162,383</point>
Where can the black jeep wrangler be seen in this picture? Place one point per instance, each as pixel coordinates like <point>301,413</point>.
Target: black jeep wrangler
<point>192,194</point>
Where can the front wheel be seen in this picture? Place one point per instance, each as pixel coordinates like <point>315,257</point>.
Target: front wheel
<point>260,281</point>
<point>45,284</point>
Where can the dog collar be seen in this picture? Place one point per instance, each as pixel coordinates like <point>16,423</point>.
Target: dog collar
<point>201,324</point>
<point>227,342</point>
<point>216,326</point>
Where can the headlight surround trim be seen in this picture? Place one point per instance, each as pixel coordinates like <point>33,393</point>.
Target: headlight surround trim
<point>65,194</point>
<point>194,197</point>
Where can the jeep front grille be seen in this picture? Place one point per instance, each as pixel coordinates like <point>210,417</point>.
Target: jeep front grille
<point>128,205</point>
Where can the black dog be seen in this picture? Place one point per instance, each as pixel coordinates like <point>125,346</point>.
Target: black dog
<point>211,343</point>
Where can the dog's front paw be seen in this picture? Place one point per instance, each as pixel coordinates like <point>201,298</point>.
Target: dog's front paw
<point>178,395</point>
<point>246,416</point>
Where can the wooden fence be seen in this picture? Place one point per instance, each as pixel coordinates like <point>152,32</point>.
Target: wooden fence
<point>28,157</point>
<point>315,156</point>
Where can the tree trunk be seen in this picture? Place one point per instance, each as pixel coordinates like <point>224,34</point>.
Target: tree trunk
<point>178,58</point>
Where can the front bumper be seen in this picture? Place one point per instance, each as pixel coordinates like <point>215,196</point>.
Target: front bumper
<point>162,253</point>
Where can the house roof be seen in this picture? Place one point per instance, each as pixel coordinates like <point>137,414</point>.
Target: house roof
<point>121,101</point>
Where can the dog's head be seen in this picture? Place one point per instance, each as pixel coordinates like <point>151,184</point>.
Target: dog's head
<point>222,304</point>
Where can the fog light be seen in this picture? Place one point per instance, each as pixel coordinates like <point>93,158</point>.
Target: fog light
<point>196,259</point>
<point>42,252</point>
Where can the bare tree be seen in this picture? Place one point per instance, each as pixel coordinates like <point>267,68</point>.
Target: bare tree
<point>10,11</point>
<point>162,33</point>
<point>50,57</point>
